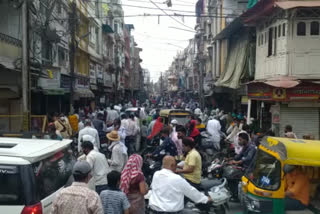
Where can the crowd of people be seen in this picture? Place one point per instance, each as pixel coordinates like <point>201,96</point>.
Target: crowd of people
<point>115,183</point>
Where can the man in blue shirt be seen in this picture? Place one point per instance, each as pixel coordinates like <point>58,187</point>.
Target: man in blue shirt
<point>167,147</point>
<point>247,154</point>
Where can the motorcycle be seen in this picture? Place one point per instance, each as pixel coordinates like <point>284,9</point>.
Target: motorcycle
<point>221,169</point>
<point>220,195</point>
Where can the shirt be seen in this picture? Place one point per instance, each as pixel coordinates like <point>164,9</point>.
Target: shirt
<point>92,132</point>
<point>246,155</point>
<point>119,158</point>
<point>168,191</point>
<point>193,159</point>
<point>114,201</point>
<point>77,198</point>
<point>112,115</point>
<point>298,184</point>
<point>166,148</point>
<point>132,128</point>
<point>99,167</point>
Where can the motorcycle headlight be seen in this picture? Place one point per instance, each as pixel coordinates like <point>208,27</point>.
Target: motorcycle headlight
<point>254,205</point>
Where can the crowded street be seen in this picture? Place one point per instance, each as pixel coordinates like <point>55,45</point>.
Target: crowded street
<point>159,107</point>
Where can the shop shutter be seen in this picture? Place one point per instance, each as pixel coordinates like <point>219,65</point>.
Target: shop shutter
<point>303,120</point>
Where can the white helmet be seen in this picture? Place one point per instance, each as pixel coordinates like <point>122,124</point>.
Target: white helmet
<point>174,122</point>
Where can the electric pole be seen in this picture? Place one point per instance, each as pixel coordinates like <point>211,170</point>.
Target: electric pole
<point>161,84</point>
<point>25,68</point>
<point>72,49</point>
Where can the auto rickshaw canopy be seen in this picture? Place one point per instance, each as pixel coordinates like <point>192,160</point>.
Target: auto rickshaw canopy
<point>294,151</point>
<point>167,112</point>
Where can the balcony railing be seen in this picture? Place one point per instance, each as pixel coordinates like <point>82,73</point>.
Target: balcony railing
<point>10,40</point>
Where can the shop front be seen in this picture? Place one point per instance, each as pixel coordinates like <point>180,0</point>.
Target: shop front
<point>83,96</point>
<point>297,106</point>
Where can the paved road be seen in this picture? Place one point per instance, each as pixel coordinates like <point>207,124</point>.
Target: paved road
<point>235,208</point>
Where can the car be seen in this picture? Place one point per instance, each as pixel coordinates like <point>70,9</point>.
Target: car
<point>32,172</point>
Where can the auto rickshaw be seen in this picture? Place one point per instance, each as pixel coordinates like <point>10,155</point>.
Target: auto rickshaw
<point>263,185</point>
<point>182,116</point>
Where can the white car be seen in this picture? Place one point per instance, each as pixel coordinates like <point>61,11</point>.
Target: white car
<point>32,172</point>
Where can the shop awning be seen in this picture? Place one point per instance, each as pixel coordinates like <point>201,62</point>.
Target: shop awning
<point>9,92</point>
<point>234,26</point>
<point>107,28</point>
<point>294,4</point>
<point>236,63</point>
<point>7,62</point>
<point>57,91</point>
<point>280,82</point>
<point>83,93</point>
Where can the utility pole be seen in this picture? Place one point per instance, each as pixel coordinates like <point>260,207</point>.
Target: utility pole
<point>72,49</point>
<point>25,68</point>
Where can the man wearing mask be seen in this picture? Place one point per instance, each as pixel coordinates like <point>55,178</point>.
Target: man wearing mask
<point>167,147</point>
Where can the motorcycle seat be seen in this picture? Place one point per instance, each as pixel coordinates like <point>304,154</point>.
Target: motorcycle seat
<point>207,184</point>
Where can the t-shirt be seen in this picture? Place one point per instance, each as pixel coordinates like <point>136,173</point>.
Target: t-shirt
<point>193,159</point>
<point>134,185</point>
<point>114,202</point>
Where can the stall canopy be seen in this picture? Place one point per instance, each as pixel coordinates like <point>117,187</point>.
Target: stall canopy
<point>236,63</point>
<point>83,93</point>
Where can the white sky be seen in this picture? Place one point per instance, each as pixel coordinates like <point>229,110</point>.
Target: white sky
<point>160,42</point>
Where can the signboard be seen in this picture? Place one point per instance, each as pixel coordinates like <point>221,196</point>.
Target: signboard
<point>49,79</point>
<point>302,92</point>
<point>82,82</point>
<point>107,79</point>
<point>92,74</point>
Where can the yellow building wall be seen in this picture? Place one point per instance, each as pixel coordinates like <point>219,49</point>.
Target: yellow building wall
<point>82,63</point>
<point>9,50</point>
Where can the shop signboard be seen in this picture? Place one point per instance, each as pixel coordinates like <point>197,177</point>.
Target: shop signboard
<point>82,82</point>
<point>92,71</point>
<point>302,92</point>
<point>49,79</point>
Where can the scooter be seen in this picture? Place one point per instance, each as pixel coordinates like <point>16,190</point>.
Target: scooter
<point>220,195</point>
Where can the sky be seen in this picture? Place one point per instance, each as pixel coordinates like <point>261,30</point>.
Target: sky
<point>158,37</point>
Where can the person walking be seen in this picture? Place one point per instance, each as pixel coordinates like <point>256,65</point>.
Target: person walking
<point>289,133</point>
<point>113,200</point>
<point>88,130</point>
<point>78,198</point>
<point>132,130</point>
<point>169,190</point>
<point>133,184</point>
<point>99,165</point>
<point>63,126</point>
<point>119,154</point>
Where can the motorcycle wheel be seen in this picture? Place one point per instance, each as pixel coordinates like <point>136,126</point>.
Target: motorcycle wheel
<point>220,210</point>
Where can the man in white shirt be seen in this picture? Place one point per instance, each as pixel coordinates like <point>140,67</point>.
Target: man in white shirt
<point>99,165</point>
<point>88,130</point>
<point>169,189</point>
<point>112,115</point>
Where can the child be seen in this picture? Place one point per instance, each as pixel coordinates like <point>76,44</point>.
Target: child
<point>113,200</point>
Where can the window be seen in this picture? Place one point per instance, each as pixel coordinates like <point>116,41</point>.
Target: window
<point>270,35</point>
<point>283,29</point>
<point>116,28</point>
<point>62,56</point>
<point>209,29</point>
<point>262,39</point>
<point>265,37</point>
<point>266,173</point>
<point>279,31</point>
<point>314,28</point>
<point>53,173</point>
<point>301,29</point>
<point>11,187</point>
